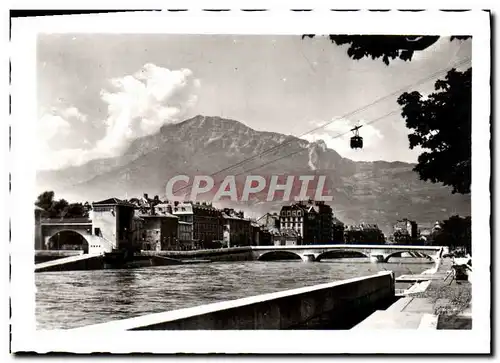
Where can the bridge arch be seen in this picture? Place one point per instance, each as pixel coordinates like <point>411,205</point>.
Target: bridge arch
<point>68,239</point>
<point>279,255</point>
<point>416,254</point>
<point>341,254</point>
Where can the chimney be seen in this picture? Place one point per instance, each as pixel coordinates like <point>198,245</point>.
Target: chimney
<point>146,196</point>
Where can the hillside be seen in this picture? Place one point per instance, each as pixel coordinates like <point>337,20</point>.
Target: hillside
<point>375,192</point>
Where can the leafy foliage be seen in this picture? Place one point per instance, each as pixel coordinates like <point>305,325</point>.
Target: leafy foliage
<point>61,208</point>
<point>387,47</point>
<point>441,123</point>
<point>456,231</point>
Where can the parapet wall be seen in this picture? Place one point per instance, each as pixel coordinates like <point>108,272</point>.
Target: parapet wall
<point>336,305</point>
<point>223,254</point>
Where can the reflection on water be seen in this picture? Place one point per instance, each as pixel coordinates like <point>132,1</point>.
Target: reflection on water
<point>77,298</point>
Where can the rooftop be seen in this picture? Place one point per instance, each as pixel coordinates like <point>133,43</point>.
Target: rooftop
<point>114,201</point>
<point>163,215</point>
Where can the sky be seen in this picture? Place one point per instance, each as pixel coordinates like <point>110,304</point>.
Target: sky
<point>99,92</point>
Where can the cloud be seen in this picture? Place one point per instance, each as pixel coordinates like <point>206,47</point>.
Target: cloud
<point>50,125</point>
<point>336,136</point>
<point>73,112</point>
<point>138,105</point>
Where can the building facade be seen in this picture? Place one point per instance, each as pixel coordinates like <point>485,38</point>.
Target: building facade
<point>325,222</point>
<point>237,230</point>
<point>112,219</point>
<point>202,222</point>
<point>269,220</point>
<point>38,229</point>
<point>287,237</point>
<point>406,226</point>
<point>405,231</point>
<point>313,221</point>
<point>159,232</point>
<point>338,230</point>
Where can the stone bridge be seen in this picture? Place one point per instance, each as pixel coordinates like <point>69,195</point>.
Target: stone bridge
<point>81,226</point>
<point>377,253</point>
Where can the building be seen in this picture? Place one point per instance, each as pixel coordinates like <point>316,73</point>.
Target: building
<point>325,222</point>
<point>184,211</point>
<point>207,226</point>
<point>255,233</point>
<point>137,229</point>
<point>364,234</point>
<point>237,230</point>
<point>298,218</point>
<point>38,229</point>
<point>338,230</point>
<point>205,220</point>
<point>112,219</point>
<point>406,226</point>
<point>269,221</point>
<point>405,231</point>
<point>162,208</point>
<point>287,237</point>
<point>427,231</point>
<point>185,235</point>
<point>313,221</point>
<point>160,232</point>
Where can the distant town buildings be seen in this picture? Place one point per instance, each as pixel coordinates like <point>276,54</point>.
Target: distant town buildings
<point>364,234</point>
<point>156,225</point>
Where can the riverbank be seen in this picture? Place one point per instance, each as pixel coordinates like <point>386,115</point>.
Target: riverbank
<point>451,299</point>
<point>439,303</point>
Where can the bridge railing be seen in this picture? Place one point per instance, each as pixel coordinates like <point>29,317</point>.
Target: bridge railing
<point>65,220</point>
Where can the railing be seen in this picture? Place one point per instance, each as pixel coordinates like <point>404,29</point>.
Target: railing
<point>65,220</point>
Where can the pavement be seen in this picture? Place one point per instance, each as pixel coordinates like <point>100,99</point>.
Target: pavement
<point>439,303</point>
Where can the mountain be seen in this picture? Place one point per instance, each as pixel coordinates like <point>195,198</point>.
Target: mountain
<point>373,192</point>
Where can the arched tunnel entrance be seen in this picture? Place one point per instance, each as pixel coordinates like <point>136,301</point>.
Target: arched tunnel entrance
<point>279,256</point>
<point>336,254</point>
<point>68,240</point>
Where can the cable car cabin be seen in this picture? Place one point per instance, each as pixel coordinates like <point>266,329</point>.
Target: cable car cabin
<point>356,142</point>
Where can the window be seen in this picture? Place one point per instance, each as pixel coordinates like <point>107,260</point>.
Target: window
<point>97,231</point>
<point>299,213</point>
<point>294,213</point>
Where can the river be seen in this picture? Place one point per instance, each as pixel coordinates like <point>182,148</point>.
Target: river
<point>78,298</point>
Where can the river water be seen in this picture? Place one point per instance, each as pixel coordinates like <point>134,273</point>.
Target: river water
<point>78,298</point>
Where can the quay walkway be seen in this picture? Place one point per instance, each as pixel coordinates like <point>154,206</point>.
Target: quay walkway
<point>435,303</point>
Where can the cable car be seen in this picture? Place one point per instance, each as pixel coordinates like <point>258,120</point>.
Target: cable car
<point>356,140</point>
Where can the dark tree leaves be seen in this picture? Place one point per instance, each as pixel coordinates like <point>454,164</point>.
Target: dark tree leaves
<point>441,125</point>
<point>386,47</point>
<point>61,208</point>
<point>76,210</point>
<point>45,200</point>
<point>455,232</point>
